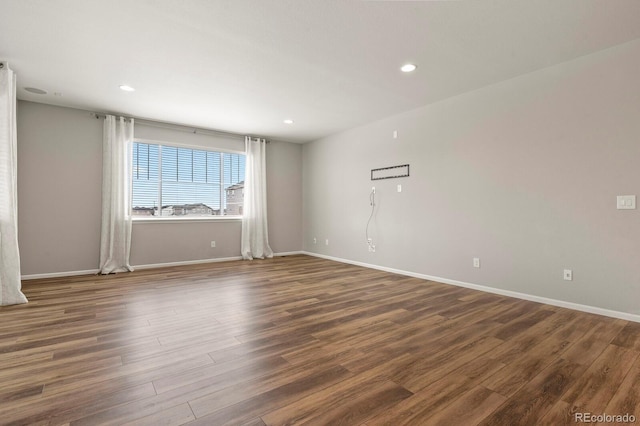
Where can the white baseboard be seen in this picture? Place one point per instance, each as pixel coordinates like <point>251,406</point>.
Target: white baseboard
<point>195,262</point>
<point>59,274</point>
<point>149,266</point>
<point>560,303</point>
<point>563,304</point>
<point>288,253</point>
<point>185,262</point>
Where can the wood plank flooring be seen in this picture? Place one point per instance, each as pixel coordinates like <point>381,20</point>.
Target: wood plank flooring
<point>302,340</point>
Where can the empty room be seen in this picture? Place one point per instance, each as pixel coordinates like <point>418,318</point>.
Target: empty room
<point>323,212</point>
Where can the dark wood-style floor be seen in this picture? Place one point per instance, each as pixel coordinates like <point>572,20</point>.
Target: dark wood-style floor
<point>301,340</point>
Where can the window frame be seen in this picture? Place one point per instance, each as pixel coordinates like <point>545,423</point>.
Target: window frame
<point>169,219</point>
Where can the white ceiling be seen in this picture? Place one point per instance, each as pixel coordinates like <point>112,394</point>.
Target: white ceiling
<point>243,66</point>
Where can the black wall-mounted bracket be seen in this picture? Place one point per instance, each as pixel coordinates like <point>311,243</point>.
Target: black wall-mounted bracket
<point>390,172</point>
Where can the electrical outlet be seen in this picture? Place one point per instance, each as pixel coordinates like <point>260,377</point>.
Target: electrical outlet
<point>326,242</point>
<point>626,202</point>
<point>213,244</point>
<point>315,240</point>
<point>373,189</point>
<point>568,275</point>
<point>372,247</point>
<point>476,262</point>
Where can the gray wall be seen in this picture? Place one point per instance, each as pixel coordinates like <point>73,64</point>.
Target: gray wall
<point>59,201</point>
<point>523,174</point>
<point>59,183</point>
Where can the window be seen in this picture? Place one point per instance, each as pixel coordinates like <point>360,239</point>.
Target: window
<point>171,181</point>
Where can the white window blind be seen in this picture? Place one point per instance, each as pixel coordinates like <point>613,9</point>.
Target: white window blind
<point>174,181</point>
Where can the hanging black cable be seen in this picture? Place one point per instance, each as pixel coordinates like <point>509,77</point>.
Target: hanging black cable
<point>372,202</point>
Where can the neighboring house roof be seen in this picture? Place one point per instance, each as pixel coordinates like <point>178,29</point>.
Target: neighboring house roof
<point>187,206</point>
<point>238,185</point>
<point>178,206</point>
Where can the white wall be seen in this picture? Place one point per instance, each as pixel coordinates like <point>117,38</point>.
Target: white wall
<point>523,174</point>
<point>59,201</point>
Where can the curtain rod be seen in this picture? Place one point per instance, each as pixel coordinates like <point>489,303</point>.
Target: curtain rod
<point>178,127</point>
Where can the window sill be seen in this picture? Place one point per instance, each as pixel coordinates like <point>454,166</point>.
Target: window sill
<point>186,219</point>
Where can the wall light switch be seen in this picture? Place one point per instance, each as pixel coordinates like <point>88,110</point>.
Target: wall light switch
<point>395,134</point>
<point>399,188</point>
<point>626,202</point>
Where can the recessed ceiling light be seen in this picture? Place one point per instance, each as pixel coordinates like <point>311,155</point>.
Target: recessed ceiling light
<point>408,67</point>
<point>127,88</point>
<point>288,121</point>
<point>35,90</point>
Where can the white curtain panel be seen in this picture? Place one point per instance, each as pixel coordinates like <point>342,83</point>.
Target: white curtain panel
<point>115,243</point>
<point>255,237</point>
<point>10,293</point>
